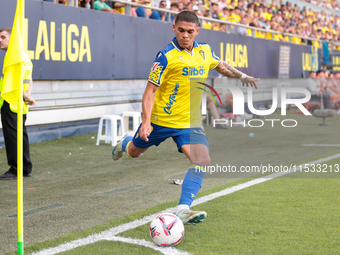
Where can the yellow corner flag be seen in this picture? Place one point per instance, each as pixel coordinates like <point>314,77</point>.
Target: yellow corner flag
<point>12,92</point>
<point>14,59</point>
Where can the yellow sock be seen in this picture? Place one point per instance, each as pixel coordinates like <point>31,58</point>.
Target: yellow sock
<point>127,149</point>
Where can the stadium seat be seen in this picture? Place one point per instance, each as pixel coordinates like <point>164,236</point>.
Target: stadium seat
<point>136,120</point>
<point>114,129</point>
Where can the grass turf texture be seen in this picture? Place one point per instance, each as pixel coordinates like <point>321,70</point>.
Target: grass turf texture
<point>76,173</point>
<point>117,222</point>
<point>281,216</point>
<point>107,247</point>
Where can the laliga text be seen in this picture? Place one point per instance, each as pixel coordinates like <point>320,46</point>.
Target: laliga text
<point>268,168</point>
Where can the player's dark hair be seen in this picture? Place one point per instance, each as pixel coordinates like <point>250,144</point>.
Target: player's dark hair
<point>187,16</point>
<point>6,29</point>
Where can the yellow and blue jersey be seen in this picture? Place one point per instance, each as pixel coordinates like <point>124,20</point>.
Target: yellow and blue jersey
<point>176,72</point>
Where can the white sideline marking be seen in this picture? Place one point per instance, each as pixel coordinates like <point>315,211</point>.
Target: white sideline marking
<point>320,144</point>
<point>148,244</point>
<point>110,233</point>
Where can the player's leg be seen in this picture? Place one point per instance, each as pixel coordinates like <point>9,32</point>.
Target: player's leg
<point>126,146</point>
<point>134,146</point>
<point>119,149</point>
<point>134,152</point>
<point>197,151</point>
<point>199,157</point>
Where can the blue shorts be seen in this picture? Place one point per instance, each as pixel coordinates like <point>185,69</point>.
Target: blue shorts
<point>181,136</point>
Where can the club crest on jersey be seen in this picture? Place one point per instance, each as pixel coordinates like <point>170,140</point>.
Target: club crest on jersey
<point>202,54</point>
<point>181,58</point>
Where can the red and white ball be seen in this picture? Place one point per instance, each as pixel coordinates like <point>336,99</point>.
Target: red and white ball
<point>166,230</point>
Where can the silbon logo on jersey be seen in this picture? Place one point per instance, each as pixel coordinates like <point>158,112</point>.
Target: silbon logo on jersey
<point>193,71</point>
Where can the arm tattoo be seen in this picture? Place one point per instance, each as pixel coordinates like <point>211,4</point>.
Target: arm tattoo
<point>227,70</point>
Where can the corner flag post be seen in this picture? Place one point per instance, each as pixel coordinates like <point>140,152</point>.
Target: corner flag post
<point>21,14</point>
<point>12,92</point>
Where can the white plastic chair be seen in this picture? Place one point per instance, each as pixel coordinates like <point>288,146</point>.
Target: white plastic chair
<point>113,124</point>
<point>137,119</point>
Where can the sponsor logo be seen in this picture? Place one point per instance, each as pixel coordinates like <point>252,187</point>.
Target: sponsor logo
<point>172,99</point>
<point>200,132</point>
<point>193,71</point>
<point>113,152</point>
<point>235,54</point>
<point>154,232</point>
<point>73,42</point>
<point>181,58</point>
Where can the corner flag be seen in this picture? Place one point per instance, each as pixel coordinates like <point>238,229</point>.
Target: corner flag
<point>12,92</point>
<point>15,57</point>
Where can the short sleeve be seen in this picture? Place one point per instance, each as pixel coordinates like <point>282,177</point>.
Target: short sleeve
<point>214,60</point>
<point>140,12</point>
<point>155,15</point>
<point>106,6</point>
<point>97,5</point>
<point>158,68</point>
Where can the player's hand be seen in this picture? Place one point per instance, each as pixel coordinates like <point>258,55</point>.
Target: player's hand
<point>145,131</point>
<point>249,80</point>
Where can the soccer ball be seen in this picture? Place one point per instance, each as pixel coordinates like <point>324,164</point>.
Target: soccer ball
<point>166,230</point>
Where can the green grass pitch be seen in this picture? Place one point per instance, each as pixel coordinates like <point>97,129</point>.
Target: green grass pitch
<point>77,190</point>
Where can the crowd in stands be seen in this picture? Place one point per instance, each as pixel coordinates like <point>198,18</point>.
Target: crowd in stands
<point>325,84</point>
<point>283,17</point>
<point>331,5</point>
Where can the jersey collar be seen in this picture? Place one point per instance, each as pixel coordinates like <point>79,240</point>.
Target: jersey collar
<point>179,48</point>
